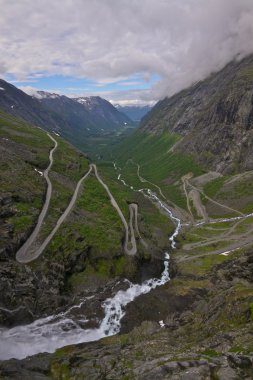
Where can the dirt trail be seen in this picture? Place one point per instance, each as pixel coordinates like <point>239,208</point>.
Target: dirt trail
<point>143,180</point>
<point>200,208</point>
<point>235,245</point>
<point>194,195</point>
<point>187,198</point>
<point>229,234</point>
<point>213,201</point>
<point>180,213</point>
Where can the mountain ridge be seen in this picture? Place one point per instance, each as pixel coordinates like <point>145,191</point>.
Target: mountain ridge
<point>135,112</point>
<point>61,114</point>
<point>212,117</point>
<point>198,325</point>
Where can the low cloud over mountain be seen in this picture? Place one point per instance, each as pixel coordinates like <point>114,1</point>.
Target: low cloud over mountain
<point>180,41</point>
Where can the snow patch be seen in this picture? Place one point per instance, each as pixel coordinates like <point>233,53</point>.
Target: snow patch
<point>38,171</point>
<point>226,253</point>
<point>2,89</point>
<point>45,95</point>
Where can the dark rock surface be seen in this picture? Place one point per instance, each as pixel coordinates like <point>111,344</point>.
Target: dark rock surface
<point>207,335</point>
<point>215,117</point>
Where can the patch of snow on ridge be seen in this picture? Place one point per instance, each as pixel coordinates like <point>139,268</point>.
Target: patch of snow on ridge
<point>45,95</point>
<point>2,89</point>
<point>82,100</point>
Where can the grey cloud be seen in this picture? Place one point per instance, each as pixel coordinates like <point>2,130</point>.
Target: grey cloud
<point>180,40</point>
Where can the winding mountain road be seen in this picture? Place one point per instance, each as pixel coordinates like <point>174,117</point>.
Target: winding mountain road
<point>145,180</point>
<point>212,200</point>
<point>21,255</point>
<point>133,249</point>
<point>25,256</point>
<point>133,208</point>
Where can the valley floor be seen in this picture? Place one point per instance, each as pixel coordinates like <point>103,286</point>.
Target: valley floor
<point>196,326</point>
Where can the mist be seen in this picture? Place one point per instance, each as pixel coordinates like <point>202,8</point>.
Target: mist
<point>181,41</point>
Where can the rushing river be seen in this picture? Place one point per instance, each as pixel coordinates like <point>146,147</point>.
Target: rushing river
<point>55,331</point>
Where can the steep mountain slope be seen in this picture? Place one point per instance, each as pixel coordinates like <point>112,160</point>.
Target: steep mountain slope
<point>214,117</point>
<point>104,114</point>
<point>136,113</point>
<point>196,326</point>
<point>203,337</point>
<point>68,117</point>
<point>70,123</point>
<point>74,123</point>
<point>86,251</point>
<point>195,151</point>
<point>19,104</point>
<point>208,126</point>
<point>85,115</point>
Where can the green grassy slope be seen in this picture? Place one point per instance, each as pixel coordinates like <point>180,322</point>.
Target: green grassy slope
<point>25,148</point>
<point>93,229</point>
<point>158,163</point>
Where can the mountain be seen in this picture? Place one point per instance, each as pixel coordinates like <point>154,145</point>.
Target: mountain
<point>73,121</point>
<point>105,115</point>
<point>87,251</point>
<point>191,312</point>
<point>63,116</point>
<point>214,118</point>
<point>135,113</point>
<point>92,113</point>
<point>205,128</point>
<point>70,118</point>
<point>19,104</point>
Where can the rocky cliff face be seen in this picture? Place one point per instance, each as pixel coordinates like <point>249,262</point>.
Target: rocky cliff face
<point>202,337</point>
<point>214,117</point>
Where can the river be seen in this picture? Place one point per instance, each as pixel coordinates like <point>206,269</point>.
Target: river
<point>55,331</point>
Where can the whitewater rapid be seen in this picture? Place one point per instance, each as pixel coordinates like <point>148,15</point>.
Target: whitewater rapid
<point>55,331</point>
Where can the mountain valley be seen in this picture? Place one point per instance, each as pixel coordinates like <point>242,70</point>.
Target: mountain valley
<point>179,188</point>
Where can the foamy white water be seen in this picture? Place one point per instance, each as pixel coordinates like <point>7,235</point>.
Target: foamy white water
<point>55,331</point>
<point>153,197</point>
<point>48,334</point>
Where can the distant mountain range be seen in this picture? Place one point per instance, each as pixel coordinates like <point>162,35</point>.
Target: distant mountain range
<point>135,113</point>
<point>74,119</point>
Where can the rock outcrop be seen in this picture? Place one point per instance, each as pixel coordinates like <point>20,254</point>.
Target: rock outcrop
<point>207,338</point>
<point>214,117</point>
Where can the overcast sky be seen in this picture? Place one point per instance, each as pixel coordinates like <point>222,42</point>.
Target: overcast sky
<point>123,50</point>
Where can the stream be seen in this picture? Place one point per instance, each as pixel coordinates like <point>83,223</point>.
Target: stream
<point>55,331</point>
